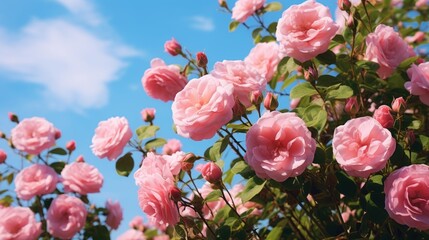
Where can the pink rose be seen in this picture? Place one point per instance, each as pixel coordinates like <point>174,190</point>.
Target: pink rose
<point>71,146</point>
<point>36,179</point>
<point>114,214</point>
<point>166,166</point>
<point>419,84</point>
<point>132,234</point>
<point>383,116</point>
<point>352,106</point>
<point>81,178</point>
<point>33,135</point>
<point>3,156</point>
<point>66,216</point>
<point>211,172</point>
<point>110,137</point>
<point>399,104</point>
<point>172,146</point>
<point>305,30</point>
<point>243,77</point>
<point>243,9</point>
<point>362,146</point>
<point>279,146</point>
<point>172,47</point>
<point>161,81</point>
<point>148,114</point>
<point>264,57</point>
<point>407,196</point>
<point>202,107</point>
<point>18,223</point>
<point>162,237</point>
<point>422,3</point>
<point>385,47</point>
<point>418,37</point>
<point>137,223</point>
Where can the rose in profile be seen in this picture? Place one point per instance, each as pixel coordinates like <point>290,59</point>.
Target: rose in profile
<point>114,214</point>
<point>33,135</point>
<point>419,84</point>
<point>383,116</point>
<point>37,179</point>
<point>305,30</point>
<point>407,196</point>
<point>110,137</point>
<point>19,223</point>
<point>161,81</point>
<point>264,57</point>
<point>82,178</point>
<point>362,146</point>
<point>66,216</point>
<point>243,9</point>
<point>279,146</point>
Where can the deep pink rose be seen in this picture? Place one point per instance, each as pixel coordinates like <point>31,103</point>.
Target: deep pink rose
<point>407,196</point>
<point>211,172</point>
<point>385,47</point>
<point>3,156</point>
<point>419,84</point>
<point>383,116</point>
<point>132,234</point>
<point>264,57</point>
<point>82,178</point>
<point>245,79</point>
<point>305,30</point>
<point>110,137</point>
<point>172,146</point>
<point>202,107</point>
<point>33,135</point>
<point>362,146</point>
<point>279,146</point>
<point>66,216</point>
<point>243,9</point>
<point>36,179</point>
<point>114,214</point>
<point>18,223</point>
<point>161,81</point>
<point>172,47</point>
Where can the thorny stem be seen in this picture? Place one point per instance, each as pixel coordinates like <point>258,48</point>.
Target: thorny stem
<point>231,145</point>
<point>201,196</point>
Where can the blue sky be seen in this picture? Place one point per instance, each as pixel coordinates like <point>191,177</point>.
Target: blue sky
<point>77,62</point>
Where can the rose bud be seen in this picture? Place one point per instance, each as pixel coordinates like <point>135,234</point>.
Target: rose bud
<point>148,114</point>
<point>399,104</point>
<point>3,156</point>
<point>57,133</point>
<point>80,159</point>
<point>172,47</point>
<point>311,74</point>
<point>271,102</point>
<point>256,98</point>
<point>71,145</point>
<point>352,106</point>
<point>383,116</point>
<point>411,137</point>
<point>211,172</point>
<point>344,5</point>
<point>202,59</point>
<point>13,117</point>
<point>187,162</point>
<point>175,194</point>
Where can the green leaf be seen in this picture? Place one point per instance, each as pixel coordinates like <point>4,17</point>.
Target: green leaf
<point>253,187</point>
<point>346,185</point>
<point>58,166</point>
<point>302,90</point>
<point>154,143</point>
<point>275,234</point>
<point>256,32</point>
<point>58,151</point>
<point>375,207</point>
<point>339,39</point>
<point>180,231</point>
<point>6,201</point>
<point>425,142</point>
<point>272,28</point>
<point>215,152</point>
<point>315,116</point>
<point>319,156</point>
<point>222,214</point>
<point>368,65</point>
<point>144,132</point>
<point>233,25</point>
<point>272,7</point>
<point>213,196</point>
<point>224,232</point>
<point>327,81</point>
<point>125,165</point>
<point>327,57</point>
<point>101,232</point>
<point>238,127</point>
<point>9,178</point>
<point>407,62</point>
<point>239,167</point>
<point>343,92</point>
<point>268,38</point>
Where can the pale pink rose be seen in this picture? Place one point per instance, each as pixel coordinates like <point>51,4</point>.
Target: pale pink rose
<point>419,84</point>
<point>156,164</point>
<point>161,81</point>
<point>383,116</point>
<point>305,30</point>
<point>137,223</point>
<point>132,234</point>
<point>243,77</point>
<point>36,179</point>
<point>161,237</point>
<point>114,214</point>
<point>385,47</point>
<point>172,47</point>
<point>175,161</point>
<point>362,146</point>
<point>172,146</point>
<point>203,107</point>
<point>264,57</point>
<point>33,135</point>
<point>66,216</point>
<point>407,196</point>
<point>418,37</point>
<point>399,104</point>
<point>279,146</point>
<point>341,20</point>
<point>82,178</point>
<point>110,137</point>
<point>18,223</point>
<point>422,3</point>
<point>243,9</point>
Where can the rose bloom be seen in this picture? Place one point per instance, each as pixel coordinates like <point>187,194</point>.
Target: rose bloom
<point>245,79</point>
<point>172,146</point>
<point>417,38</point>
<point>305,30</point>
<point>33,135</point>
<point>385,47</point>
<point>166,166</point>
<point>36,179</point>
<point>407,196</point>
<point>137,223</point>
<point>279,146</point>
<point>383,116</point>
<point>161,81</point>
<point>243,9</point>
<point>422,3</point>
<point>114,214</point>
<point>18,223</point>
<point>264,57</point>
<point>66,216</point>
<point>132,234</point>
<point>202,107</point>
<point>419,84</point>
<point>362,146</point>
<point>82,178</point>
<point>110,137</point>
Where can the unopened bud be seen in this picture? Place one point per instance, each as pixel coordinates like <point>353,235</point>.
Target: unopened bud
<point>172,47</point>
<point>383,116</point>
<point>222,3</point>
<point>256,98</point>
<point>411,137</point>
<point>311,74</point>
<point>399,104</point>
<point>148,114</point>
<point>351,22</point>
<point>270,102</point>
<point>344,5</point>
<point>2,135</point>
<point>80,159</point>
<point>175,194</point>
<point>57,133</point>
<point>187,162</point>
<point>211,172</point>
<point>352,106</point>
<point>3,156</point>
<point>71,146</point>
<point>13,117</point>
<point>202,59</point>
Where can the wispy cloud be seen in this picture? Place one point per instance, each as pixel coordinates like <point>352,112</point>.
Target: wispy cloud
<point>82,9</point>
<point>202,23</point>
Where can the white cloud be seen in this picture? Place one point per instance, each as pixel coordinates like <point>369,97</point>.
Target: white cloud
<point>202,23</point>
<point>72,64</point>
<point>82,9</point>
